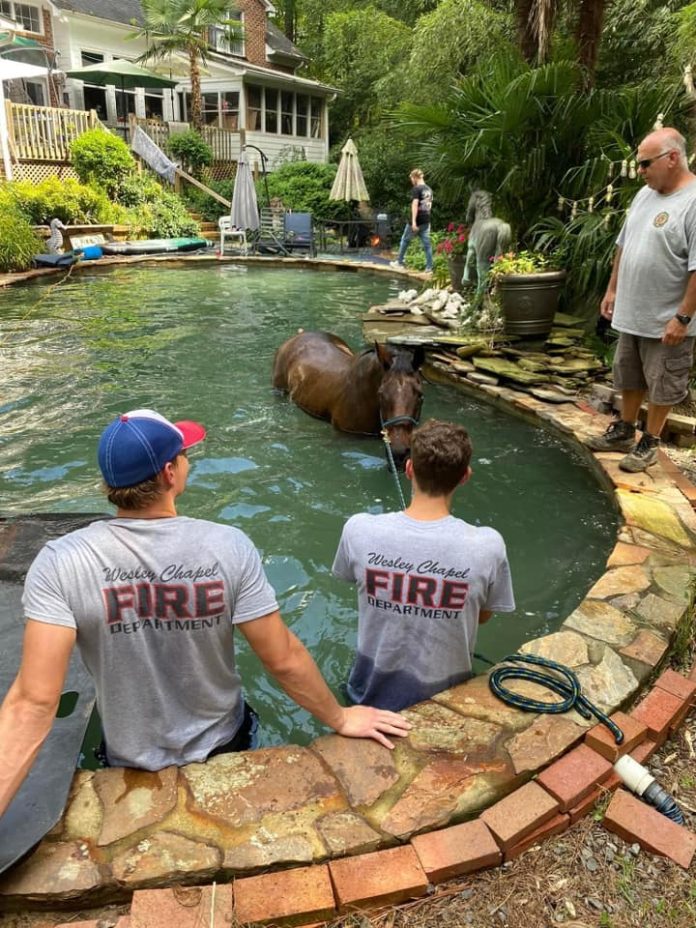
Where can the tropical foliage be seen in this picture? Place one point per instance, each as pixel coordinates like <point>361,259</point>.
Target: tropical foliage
<point>18,243</point>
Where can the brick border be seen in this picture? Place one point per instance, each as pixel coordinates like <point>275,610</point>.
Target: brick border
<point>580,774</point>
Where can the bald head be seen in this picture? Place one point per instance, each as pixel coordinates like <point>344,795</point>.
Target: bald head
<point>668,139</point>
<point>662,161</point>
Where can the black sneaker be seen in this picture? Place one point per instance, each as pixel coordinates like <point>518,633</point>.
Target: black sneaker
<point>620,436</point>
<point>643,456</point>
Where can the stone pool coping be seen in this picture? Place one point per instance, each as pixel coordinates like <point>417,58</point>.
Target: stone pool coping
<point>241,814</point>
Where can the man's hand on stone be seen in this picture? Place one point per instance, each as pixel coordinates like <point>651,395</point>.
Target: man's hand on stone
<point>606,307</point>
<point>366,722</point>
<point>674,333</point>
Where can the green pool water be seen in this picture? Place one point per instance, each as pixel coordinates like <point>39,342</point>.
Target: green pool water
<point>198,343</point>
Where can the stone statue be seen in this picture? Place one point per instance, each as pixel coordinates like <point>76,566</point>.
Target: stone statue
<point>55,242</point>
<point>488,237</point>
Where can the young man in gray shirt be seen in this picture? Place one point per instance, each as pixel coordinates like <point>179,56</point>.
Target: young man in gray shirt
<point>152,599</point>
<point>651,299</point>
<point>426,580</point>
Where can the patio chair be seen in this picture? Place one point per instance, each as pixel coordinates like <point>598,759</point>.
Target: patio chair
<point>227,230</point>
<point>299,233</point>
<point>269,239</point>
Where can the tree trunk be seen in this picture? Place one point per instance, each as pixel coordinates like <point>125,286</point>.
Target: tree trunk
<point>588,34</point>
<point>525,31</point>
<point>290,19</point>
<point>196,115</point>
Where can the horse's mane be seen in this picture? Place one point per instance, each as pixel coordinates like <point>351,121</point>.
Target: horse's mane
<point>402,363</point>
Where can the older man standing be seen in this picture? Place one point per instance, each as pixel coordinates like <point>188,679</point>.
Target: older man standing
<point>651,299</point>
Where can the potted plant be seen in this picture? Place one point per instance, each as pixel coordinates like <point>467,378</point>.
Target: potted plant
<point>453,246</point>
<point>527,285</point>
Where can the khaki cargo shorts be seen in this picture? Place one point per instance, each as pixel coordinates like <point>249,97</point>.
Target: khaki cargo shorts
<point>647,364</point>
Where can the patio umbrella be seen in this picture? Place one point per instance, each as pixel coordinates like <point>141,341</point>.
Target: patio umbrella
<point>245,210</point>
<point>120,73</point>
<point>13,71</point>
<point>349,183</point>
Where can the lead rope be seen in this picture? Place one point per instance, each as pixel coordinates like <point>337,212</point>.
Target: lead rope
<point>392,466</point>
<point>396,420</point>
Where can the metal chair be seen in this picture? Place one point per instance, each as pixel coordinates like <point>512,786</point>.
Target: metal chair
<point>269,239</point>
<point>298,233</point>
<point>227,230</point>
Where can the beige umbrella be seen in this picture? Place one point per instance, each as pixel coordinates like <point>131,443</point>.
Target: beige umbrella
<point>349,184</point>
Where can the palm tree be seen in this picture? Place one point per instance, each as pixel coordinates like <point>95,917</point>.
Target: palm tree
<point>535,23</point>
<point>172,26</point>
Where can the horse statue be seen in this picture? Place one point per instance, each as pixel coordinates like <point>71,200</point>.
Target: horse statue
<point>376,391</point>
<point>488,238</point>
<point>55,241</point>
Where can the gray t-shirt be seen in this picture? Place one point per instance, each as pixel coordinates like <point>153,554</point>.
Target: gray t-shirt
<point>658,242</point>
<point>421,587</point>
<point>154,602</point>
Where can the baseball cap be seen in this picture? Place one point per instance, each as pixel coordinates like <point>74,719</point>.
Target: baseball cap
<point>137,445</point>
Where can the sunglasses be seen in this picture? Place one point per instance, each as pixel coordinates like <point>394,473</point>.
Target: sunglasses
<point>645,163</point>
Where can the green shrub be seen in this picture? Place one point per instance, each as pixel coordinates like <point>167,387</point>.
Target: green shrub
<point>52,198</point>
<point>191,149</point>
<point>304,187</point>
<point>18,243</point>
<point>209,208</point>
<point>102,159</point>
<point>154,211</point>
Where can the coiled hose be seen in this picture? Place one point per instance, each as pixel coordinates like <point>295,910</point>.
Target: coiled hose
<point>562,680</point>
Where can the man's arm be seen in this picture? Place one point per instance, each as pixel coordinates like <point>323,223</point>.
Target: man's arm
<point>414,213</point>
<point>28,710</point>
<point>484,616</point>
<point>287,659</point>
<point>675,332</point>
<point>606,307</point>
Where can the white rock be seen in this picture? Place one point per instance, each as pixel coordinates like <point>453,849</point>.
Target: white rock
<point>407,295</point>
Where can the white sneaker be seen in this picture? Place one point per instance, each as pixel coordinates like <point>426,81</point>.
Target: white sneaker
<point>397,266</point>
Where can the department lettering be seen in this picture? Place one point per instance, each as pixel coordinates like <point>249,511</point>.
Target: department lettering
<point>417,611</point>
<point>167,625</point>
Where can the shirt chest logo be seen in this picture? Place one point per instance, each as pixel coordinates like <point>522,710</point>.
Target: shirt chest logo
<point>660,220</point>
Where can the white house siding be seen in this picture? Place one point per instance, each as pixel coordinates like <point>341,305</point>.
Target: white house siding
<point>75,34</point>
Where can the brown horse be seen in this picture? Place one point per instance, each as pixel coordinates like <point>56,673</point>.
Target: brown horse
<point>363,393</point>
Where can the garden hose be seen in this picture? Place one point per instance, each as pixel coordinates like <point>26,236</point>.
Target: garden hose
<point>638,779</point>
<point>560,679</point>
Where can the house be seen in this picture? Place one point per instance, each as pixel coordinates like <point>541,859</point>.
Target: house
<point>250,87</point>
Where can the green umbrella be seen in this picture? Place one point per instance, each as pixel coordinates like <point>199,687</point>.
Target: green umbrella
<point>121,73</point>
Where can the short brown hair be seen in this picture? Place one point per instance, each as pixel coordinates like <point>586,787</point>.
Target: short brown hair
<point>416,172</point>
<point>139,496</point>
<point>440,453</point>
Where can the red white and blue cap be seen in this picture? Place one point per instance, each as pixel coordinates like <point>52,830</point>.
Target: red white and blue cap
<point>137,445</point>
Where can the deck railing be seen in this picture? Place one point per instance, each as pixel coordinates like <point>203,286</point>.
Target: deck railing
<point>44,133</point>
<point>225,144</point>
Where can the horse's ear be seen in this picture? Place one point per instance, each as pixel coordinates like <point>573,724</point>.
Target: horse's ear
<point>418,357</point>
<point>384,355</point>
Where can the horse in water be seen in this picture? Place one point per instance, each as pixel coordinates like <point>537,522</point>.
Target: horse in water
<point>488,237</point>
<point>378,389</point>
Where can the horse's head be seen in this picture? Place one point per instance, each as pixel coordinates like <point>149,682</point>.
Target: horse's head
<point>400,397</point>
<point>479,206</point>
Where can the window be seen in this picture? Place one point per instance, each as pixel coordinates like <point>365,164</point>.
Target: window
<point>26,15</point>
<point>125,104</point>
<point>35,92</point>
<point>220,40</point>
<point>317,108</point>
<point>229,104</point>
<point>154,103</point>
<point>210,109</point>
<point>302,113</point>
<point>287,106</point>
<point>89,58</point>
<point>253,108</point>
<point>271,110</point>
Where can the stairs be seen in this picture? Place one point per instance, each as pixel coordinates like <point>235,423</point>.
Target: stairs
<point>209,230</point>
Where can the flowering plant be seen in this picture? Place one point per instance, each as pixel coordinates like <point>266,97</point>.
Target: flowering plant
<point>454,241</point>
<point>521,262</point>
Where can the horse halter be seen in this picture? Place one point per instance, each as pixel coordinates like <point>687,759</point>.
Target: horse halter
<point>402,420</point>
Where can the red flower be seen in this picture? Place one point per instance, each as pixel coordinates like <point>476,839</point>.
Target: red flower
<point>450,227</point>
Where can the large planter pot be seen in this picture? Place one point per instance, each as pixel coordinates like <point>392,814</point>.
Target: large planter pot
<point>529,301</point>
<point>456,271</point>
